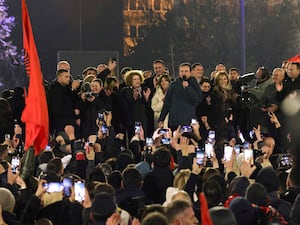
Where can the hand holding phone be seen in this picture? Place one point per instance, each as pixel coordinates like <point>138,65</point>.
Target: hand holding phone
<point>209,150</point>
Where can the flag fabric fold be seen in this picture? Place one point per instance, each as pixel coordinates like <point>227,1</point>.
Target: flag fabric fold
<point>295,58</point>
<point>35,114</point>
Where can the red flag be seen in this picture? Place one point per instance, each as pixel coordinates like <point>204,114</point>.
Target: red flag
<point>35,114</point>
<point>295,58</point>
<point>205,217</point>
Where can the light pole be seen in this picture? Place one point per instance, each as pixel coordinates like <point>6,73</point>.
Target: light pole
<point>242,31</point>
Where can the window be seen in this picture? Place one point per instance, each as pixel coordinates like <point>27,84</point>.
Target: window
<point>126,5</point>
<point>157,4</point>
<point>132,4</point>
<point>133,33</point>
<point>141,4</point>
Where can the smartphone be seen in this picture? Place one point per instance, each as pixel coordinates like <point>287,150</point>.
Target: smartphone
<point>186,129</point>
<point>67,183</point>
<point>211,135</point>
<point>104,129</point>
<point>15,164</point>
<point>237,149</point>
<point>149,141</point>
<point>246,145</point>
<point>227,152</point>
<point>163,131</point>
<point>48,148</point>
<point>251,134</point>
<point>241,136</point>
<point>166,141</point>
<point>54,187</point>
<point>137,127</point>
<point>79,191</point>
<point>209,150</point>
<point>101,116</point>
<point>193,121</point>
<point>200,155</point>
<point>248,156</point>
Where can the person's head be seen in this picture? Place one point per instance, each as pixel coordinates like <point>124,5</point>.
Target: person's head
<point>181,195</point>
<point>185,70</point>
<point>5,111</point>
<point>155,218</point>
<point>244,212</point>
<point>268,178</point>
<point>162,157</point>
<point>134,78</point>
<point>96,86</point>
<point>56,166</point>
<point>213,193</point>
<point>278,75</point>
<point>7,200</point>
<point>97,174</point>
<point>222,80</point>
<point>220,67</point>
<point>147,74</point>
<point>104,188</point>
<point>205,85</point>
<point>262,73</point>
<point>159,67</point>
<point>101,67</point>
<point>181,178</point>
<point>63,77</point>
<point>180,212</point>
<point>3,151</point>
<point>43,221</point>
<point>110,83</point>
<point>45,157</point>
<point>257,194</point>
<point>293,70</point>
<point>197,71</point>
<point>124,70</point>
<point>63,65</point>
<point>210,173</point>
<point>222,216</point>
<point>103,207</point>
<point>164,81</point>
<point>293,178</point>
<point>234,74</point>
<point>115,179</point>
<point>131,177</point>
<point>89,71</point>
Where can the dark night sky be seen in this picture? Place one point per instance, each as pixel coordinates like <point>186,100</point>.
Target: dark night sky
<point>56,27</point>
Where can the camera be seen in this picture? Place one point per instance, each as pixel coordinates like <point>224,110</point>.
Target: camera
<point>88,94</point>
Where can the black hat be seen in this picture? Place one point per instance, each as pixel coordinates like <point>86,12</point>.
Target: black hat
<point>268,177</point>
<point>103,206</point>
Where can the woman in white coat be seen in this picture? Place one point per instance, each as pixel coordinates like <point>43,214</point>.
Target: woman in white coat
<point>157,101</point>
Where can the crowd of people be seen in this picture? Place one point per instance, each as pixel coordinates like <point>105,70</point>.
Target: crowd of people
<point>150,149</point>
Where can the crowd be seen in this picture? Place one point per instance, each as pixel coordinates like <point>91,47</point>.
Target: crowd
<point>148,149</point>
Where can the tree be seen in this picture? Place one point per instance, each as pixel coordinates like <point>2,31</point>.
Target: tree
<point>9,56</point>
